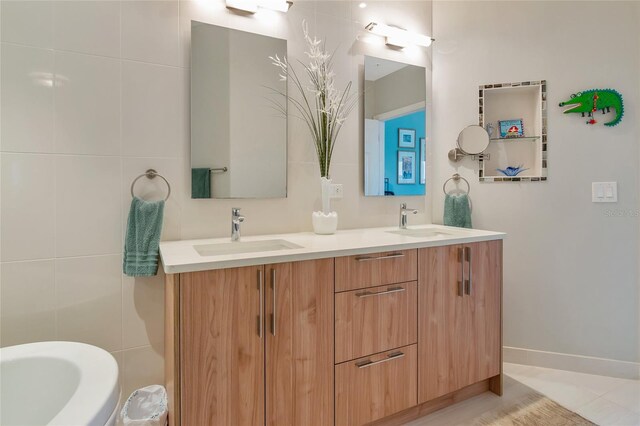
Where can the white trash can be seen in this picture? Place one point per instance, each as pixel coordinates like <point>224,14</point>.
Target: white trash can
<point>146,407</point>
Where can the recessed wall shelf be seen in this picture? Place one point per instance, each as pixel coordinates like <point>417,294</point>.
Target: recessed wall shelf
<point>525,100</point>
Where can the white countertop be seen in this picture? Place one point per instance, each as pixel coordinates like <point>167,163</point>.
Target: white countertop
<point>181,256</point>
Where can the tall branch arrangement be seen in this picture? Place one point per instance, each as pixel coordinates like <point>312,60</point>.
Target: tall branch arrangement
<point>321,106</point>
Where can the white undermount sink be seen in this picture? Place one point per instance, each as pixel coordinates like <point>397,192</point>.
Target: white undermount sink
<point>422,232</point>
<point>240,247</point>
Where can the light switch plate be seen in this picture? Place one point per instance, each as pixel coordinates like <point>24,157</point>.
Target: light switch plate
<point>604,192</point>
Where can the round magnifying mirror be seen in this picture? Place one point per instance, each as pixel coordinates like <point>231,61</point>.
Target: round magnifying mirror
<point>473,140</point>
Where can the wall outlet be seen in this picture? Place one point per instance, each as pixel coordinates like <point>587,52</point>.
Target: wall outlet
<point>336,190</point>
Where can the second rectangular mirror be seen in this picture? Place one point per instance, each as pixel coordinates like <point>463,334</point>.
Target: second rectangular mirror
<point>238,139</point>
<point>394,128</point>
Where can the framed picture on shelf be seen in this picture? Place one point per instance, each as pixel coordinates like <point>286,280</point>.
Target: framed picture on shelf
<point>511,128</point>
<point>406,138</point>
<point>423,160</point>
<point>406,167</point>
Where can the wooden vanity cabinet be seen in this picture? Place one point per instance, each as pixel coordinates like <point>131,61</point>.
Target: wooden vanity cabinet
<point>459,312</point>
<point>255,345</point>
<point>380,338</point>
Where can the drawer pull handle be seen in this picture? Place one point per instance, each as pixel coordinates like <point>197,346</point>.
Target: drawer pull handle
<point>390,357</point>
<point>380,293</point>
<point>386,256</point>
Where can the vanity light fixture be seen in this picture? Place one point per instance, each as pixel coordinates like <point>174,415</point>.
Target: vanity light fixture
<point>251,6</point>
<point>398,37</point>
<point>362,5</point>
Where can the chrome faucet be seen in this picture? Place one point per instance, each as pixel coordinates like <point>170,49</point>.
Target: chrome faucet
<point>236,220</point>
<point>404,211</point>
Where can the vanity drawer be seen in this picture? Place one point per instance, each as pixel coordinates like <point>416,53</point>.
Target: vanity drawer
<point>375,320</point>
<point>375,269</point>
<point>374,387</point>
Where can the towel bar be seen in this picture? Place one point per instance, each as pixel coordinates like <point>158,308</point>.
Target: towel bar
<point>456,178</point>
<point>151,173</point>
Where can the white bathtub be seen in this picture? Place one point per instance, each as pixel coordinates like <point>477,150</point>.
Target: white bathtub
<point>58,383</point>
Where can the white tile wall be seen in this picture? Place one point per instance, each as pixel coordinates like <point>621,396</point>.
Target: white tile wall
<point>88,194</point>
<point>87,26</point>
<point>93,94</point>
<point>89,300</point>
<point>87,104</point>
<point>28,189</point>
<point>154,116</point>
<point>27,301</point>
<point>27,22</point>
<point>151,32</point>
<point>27,99</point>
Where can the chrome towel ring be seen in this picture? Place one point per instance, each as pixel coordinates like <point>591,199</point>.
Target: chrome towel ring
<point>456,178</point>
<point>151,173</point>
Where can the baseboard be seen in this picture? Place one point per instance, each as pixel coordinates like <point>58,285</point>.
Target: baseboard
<point>581,364</point>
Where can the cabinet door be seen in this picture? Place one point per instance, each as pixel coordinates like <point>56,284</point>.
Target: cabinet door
<point>459,312</point>
<point>299,345</point>
<point>483,288</point>
<point>444,343</point>
<point>222,348</point>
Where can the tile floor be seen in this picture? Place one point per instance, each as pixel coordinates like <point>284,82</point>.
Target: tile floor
<point>606,401</point>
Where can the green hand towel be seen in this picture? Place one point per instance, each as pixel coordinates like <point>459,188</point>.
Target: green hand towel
<point>457,211</point>
<point>141,245</point>
<point>201,183</point>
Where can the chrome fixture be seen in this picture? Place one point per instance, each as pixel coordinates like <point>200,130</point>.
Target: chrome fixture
<point>151,174</point>
<point>251,6</point>
<point>456,178</point>
<point>398,37</point>
<point>404,211</point>
<point>236,220</point>
<point>472,142</point>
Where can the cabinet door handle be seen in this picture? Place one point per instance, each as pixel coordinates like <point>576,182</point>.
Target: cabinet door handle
<point>261,308</point>
<point>369,363</point>
<point>469,280</point>
<point>386,256</point>
<point>380,293</point>
<point>461,282</point>
<point>274,303</point>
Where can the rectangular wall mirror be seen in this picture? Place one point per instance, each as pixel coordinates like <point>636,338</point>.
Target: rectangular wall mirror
<point>394,128</point>
<point>238,139</point>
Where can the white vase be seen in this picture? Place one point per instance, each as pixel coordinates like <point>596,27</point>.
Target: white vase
<point>325,222</point>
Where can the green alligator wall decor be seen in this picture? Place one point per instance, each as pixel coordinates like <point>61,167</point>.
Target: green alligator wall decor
<point>591,101</point>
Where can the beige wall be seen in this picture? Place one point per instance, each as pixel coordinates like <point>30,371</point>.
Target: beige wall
<point>571,269</point>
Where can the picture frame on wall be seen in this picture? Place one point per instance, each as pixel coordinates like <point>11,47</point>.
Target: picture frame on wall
<point>406,167</point>
<point>511,128</point>
<point>423,161</point>
<point>406,138</point>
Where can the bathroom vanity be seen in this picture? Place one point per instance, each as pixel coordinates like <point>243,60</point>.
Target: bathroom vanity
<point>364,326</point>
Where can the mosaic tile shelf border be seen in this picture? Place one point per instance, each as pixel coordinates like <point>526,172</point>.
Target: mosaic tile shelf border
<point>543,103</point>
